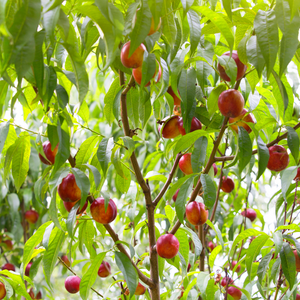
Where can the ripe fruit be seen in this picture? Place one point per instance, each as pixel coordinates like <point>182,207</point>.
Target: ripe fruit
<point>175,195</point>
<point>279,158</point>
<point>167,246</point>
<point>234,292</point>
<point>98,211</point>
<point>66,260</point>
<point>69,205</point>
<point>137,74</point>
<point>238,268</point>
<point>240,121</point>
<point>9,244</point>
<point>170,129</point>
<point>136,59</point>
<point>185,164</point>
<point>104,269</point>
<point>9,267</point>
<point>225,280</point>
<point>140,289</point>
<point>250,214</point>
<point>297,177</point>
<point>196,213</point>
<point>176,99</point>
<point>2,290</point>
<point>215,169</point>
<point>50,155</point>
<point>152,28</point>
<point>231,103</point>
<point>31,216</point>
<point>37,296</point>
<point>227,184</point>
<point>68,190</point>
<point>72,284</point>
<point>27,269</point>
<point>298,297</point>
<point>297,258</point>
<point>241,68</point>
<point>195,125</point>
<point>211,245</point>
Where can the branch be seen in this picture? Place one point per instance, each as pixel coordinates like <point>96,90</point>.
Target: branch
<point>77,275</point>
<point>202,254</point>
<point>278,139</point>
<point>131,83</point>
<point>115,237</point>
<point>72,161</point>
<point>166,185</point>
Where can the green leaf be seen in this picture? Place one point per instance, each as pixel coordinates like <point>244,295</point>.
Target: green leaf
<point>184,247</point>
<point>263,266</point>
<point>4,128</point>
<point>195,29</point>
<point>219,22</point>
<point>86,149</point>
<point>263,156</point>
<point>267,36</point>
<point>123,183</point>
<point>90,276</point>
<point>63,151</point>
<point>83,183</point>
<point>293,142</point>
<point>230,67</point>
<point>282,90</point>
<point>288,263</point>
<point>209,189</point>
<point>255,57</point>
<point>62,96</point>
<point>104,153</point>
<point>213,255</point>
<point>196,241</point>
<point>109,100</point>
<point>227,4</point>
<point>70,222</point>
<point>182,197</point>
<point>278,241</point>
<point>253,251</point>
<point>169,25</point>
<point>53,210</point>
<point>128,271</point>
<point>50,19</point>
<point>212,101</point>
<point>199,154</point>
<point>50,256</point>
<point>217,231</point>
<point>141,28</point>
<point>187,140</point>
<point>148,68</point>
<point>286,176</point>
<point>20,161</point>
<point>14,204</point>
<point>245,148</point>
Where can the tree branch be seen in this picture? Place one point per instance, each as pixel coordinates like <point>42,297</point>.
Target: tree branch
<point>166,185</point>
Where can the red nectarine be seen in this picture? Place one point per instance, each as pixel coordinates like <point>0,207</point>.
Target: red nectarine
<point>185,164</point>
<point>140,289</point>
<point>167,246</point>
<point>196,213</point>
<point>152,28</point>
<point>27,269</point>
<point>175,195</point>
<point>279,158</point>
<point>68,190</point>
<point>169,129</point>
<point>31,216</point>
<point>68,206</point>
<point>231,103</point>
<point>104,269</point>
<point>9,267</point>
<point>241,121</point>
<point>250,214</point>
<point>177,100</point>
<point>238,268</point>
<point>50,155</point>
<point>72,284</point>
<point>227,184</point>
<point>136,59</point>
<point>2,290</point>
<point>195,125</point>
<point>98,211</point>
<point>234,292</point>
<point>297,258</point>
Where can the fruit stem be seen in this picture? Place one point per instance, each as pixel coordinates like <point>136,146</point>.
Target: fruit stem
<point>166,185</point>
<point>66,266</point>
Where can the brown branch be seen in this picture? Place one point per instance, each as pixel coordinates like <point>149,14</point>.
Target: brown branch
<point>72,161</point>
<point>66,266</point>
<point>131,83</point>
<point>202,254</point>
<point>166,185</point>
<point>115,237</point>
<point>278,139</point>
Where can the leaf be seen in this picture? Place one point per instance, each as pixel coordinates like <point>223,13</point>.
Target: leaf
<point>229,66</point>
<point>104,153</point>
<point>83,183</point>
<point>3,134</point>
<point>263,266</point>
<point>199,154</point>
<point>50,19</point>
<point>70,222</point>
<point>255,58</point>
<point>109,100</point>
<point>141,28</point>
<point>227,4</point>
<point>286,177</point>
<point>50,256</point>
<point>184,247</point>
<point>278,241</point>
<point>267,36</point>
<point>209,189</point>
<point>86,149</point>
<point>90,276</point>
<point>263,156</point>
<point>219,22</point>
<point>253,251</point>
<point>169,25</point>
<point>127,270</point>
<point>282,90</point>
<point>245,148</point>
<point>217,231</point>
<point>288,263</point>
<point>213,255</point>
<point>196,241</point>
<point>195,29</point>
<point>187,140</point>
<point>148,68</point>
<point>20,161</point>
<point>182,197</point>
<point>53,210</point>
<point>293,142</point>
<point>212,101</point>
<point>14,204</point>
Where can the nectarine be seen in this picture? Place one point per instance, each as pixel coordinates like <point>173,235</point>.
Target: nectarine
<point>195,125</point>
<point>250,214</point>
<point>50,155</point>
<point>279,158</point>
<point>104,269</point>
<point>177,100</point>
<point>31,216</point>
<point>72,284</point>
<point>196,213</point>
<point>98,211</point>
<point>2,290</point>
<point>170,129</point>
<point>185,164</point>
<point>68,190</point>
<point>227,184</point>
<point>231,103</point>
<point>136,59</point>
<point>241,121</point>
<point>234,292</point>
<point>167,246</point>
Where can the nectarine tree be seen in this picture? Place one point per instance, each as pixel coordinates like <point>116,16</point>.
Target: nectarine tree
<point>149,149</point>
